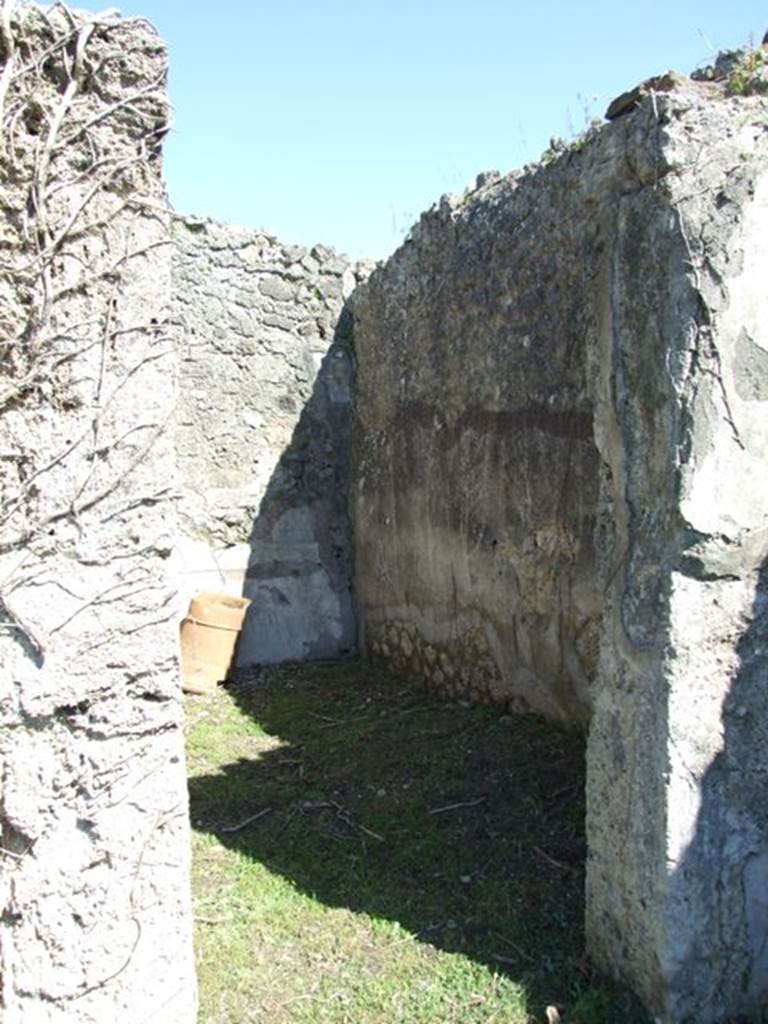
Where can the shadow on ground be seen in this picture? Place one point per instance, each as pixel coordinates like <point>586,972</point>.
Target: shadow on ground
<point>461,823</point>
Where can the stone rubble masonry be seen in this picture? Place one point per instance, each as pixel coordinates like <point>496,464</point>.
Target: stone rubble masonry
<point>262,435</point>
<point>94,840</point>
<point>547,414</point>
<point>476,471</point>
<point>560,503</point>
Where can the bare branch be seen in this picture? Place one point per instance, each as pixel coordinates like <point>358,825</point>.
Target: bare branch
<point>76,232</point>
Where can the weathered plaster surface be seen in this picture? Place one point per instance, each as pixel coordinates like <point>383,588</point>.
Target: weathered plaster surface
<point>560,502</point>
<point>262,435</point>
<point>96,922</point>
<point>476,471</point>
<point>677,797</point>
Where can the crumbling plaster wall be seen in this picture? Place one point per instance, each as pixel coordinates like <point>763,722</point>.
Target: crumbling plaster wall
<point>561,502</point>
<point>94,840</point>
<point>263,424</point>
<point>476,471</point>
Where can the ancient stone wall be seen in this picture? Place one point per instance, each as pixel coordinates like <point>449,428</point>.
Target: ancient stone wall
<point>477,474</point>
<point>560,502</point>
<point>558,486</point>
<point>263,422</point>
<point>96,922</point>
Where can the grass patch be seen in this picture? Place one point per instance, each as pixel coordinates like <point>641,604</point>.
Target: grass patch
<point>366,854</point>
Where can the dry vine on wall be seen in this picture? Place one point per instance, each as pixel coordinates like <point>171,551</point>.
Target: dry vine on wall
<point>81,129</point>
<point>93,824</point>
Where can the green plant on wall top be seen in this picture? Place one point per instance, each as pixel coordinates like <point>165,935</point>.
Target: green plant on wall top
<point>749,75</point>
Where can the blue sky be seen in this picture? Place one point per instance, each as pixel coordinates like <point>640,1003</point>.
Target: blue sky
<point>339,121</point>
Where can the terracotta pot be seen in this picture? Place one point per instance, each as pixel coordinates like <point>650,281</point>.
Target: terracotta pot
<point>208,639</point>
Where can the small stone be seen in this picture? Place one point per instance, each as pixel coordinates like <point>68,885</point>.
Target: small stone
<point>276,288</point>
<point>348,283</point>
<point>294,253</point>
<point>282,323</point>
<point>627,101</point>
<point>487,178</point>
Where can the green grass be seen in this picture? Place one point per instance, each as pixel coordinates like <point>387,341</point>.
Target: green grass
<point>349,900</point>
